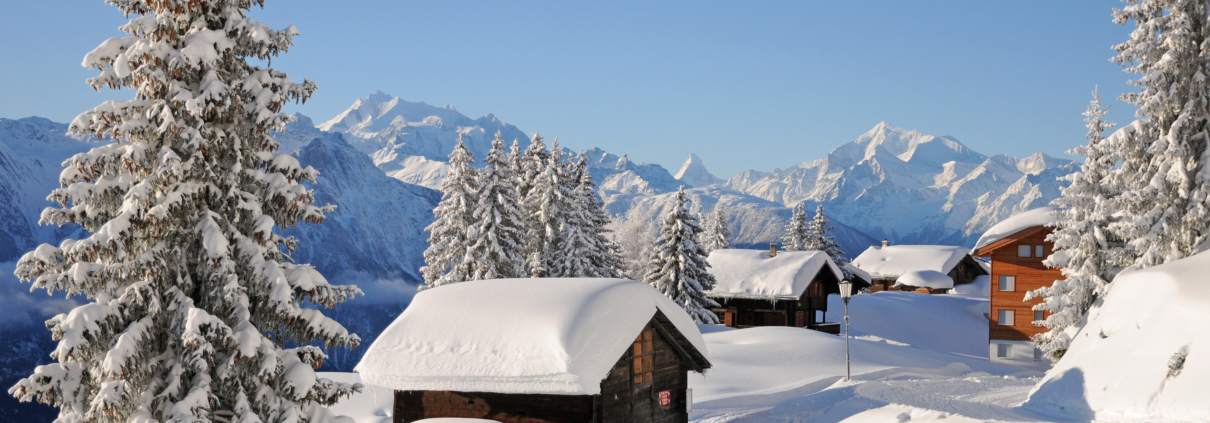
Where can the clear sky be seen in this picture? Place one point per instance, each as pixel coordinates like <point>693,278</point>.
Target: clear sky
<point>745,85</point>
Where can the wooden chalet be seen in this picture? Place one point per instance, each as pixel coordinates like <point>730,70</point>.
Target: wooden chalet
<point>539,350</point>
<point>771,288</point>
<point>1017,246</point>
<point>886,264</point>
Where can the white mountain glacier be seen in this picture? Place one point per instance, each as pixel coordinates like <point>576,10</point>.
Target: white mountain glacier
<point>911,187</point>
<point>694,173</point>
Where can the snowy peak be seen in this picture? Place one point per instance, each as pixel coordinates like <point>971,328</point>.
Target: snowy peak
<point>694,173</point>
<point>379,111</point>
<point>913,147</point>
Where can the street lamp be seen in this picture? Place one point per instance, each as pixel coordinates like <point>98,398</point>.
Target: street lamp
<point>846,292</point>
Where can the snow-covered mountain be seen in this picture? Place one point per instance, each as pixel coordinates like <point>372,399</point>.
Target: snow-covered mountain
<point>912,187</point>
<point>693,173</point>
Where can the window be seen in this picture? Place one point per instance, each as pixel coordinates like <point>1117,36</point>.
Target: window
<point>1006,317</point>
<point>1024,250</point>
<point>644,357</point>
<point>1037,354</point>
<point>1039,316</point>
<point>1004,351</point>
<point>1038,251</point>
<point>1008,283</point>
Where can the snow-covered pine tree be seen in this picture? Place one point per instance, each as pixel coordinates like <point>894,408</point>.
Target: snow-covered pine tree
<point>1164,176</point>
<point>585,251</point>
<point>192,299</point>
<point>716,235</point>
<point>678,264</point>
<point>1085,250</point>
<point>531,164</point>
<point>819,238</point>
<point>497,247</point>
<point>445,258</point>
<point>514,159</point>
<point>795,238</point>
<point>635,233</point>
<point>546,205</point>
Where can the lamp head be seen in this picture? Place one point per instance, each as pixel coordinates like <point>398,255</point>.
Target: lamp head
<point>846,290</point>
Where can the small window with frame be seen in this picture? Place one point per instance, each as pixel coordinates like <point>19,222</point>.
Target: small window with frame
<point>1039,251</point>
<point>1006,317</point>
<point>1025,250</point>
<point>1008,283</point>
<point>644,357</point>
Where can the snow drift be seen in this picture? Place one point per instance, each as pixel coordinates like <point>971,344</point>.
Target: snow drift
<point>1142,353</point>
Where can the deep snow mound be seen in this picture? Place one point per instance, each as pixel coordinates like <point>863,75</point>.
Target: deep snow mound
<point>1142,354</point>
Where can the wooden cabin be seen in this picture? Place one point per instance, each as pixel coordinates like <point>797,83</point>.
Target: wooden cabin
<point>539,350</point>
<point>771,288</point>
<point>1017,246</point>
<point>886,264</point>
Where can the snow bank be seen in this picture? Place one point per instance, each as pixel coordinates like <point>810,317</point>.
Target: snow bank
<point>1036,217</point>
<point>925,279</point>
<point>753,274</point>
<point>893,261</point>
<point>1142,355</point>
<point>981,286</point>
<point>541,336</point>
<point>948,323</point>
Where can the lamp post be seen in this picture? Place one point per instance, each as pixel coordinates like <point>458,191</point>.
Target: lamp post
<point>846,292</point>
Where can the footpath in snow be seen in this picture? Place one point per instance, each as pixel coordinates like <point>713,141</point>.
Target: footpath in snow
<point>915,357</point>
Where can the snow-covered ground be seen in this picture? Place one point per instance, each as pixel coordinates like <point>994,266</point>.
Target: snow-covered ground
<point>915,357</point>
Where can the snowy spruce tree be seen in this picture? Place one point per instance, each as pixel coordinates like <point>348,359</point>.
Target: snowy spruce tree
<point>585,250</point>
<point>192,297</point>
<point>446,257</point>
<point>530,164</point>
<point>819,238</point>
<point>546,207</point>
<point>795,238</point>
<point>1087,253</point>
<point>496,236</point>
<point>1163,175</point>
<point>678,264</point>
<point>716,235</point>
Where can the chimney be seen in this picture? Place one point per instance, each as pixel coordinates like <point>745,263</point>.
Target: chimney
<point>885,243</point>
<point>772,249</point>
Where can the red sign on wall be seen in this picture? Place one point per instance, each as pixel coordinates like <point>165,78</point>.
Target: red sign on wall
<point>665,398</point>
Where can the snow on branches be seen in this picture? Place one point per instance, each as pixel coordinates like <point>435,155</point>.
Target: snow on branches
<point>677,267</point>
<point>193,296</point>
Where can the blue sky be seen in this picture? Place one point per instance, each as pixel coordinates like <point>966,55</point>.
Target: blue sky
<point>745,85</point>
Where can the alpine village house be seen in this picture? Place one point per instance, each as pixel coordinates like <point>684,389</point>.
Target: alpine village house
<point>1017,246</point>
<point>771,288</point>
<point>899,267</point>
<point>539,350</point>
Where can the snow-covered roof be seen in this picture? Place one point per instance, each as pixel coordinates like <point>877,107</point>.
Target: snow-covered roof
<point>856,271</point>
<point>926,279</point>
<point>753,274</point>
<point>1017,223</point>
<point>534,336</point>
<point>895,260</point>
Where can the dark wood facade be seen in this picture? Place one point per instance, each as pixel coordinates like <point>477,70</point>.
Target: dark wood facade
<point>649,383</point>
<point>963,273</point>
<point>1027,273</point>
<point>772,311</point>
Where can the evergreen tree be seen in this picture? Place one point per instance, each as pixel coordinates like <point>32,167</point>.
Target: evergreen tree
<point>531,163</point>
<point>546,205</point>
<point>497,248</point>
<point>716,235</point>
<point>192,299</point>
<point>584,249</point>
<point>819,238</point>
<point>634,234</point>
<point>514,159</point>
<point>678,266</point>
<point>795,238</point>
<point>1163,176</point>
<point>1085,250</point>
<point>446,257</point>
